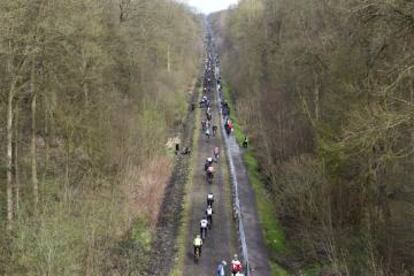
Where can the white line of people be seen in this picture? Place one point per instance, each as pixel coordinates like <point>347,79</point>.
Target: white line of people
<point>207,220</point>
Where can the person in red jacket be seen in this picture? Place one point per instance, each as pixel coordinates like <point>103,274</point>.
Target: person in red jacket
<point>236,266</point>
<point>230,124</point>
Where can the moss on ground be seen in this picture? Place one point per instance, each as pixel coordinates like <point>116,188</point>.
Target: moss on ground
<point>273,233</point>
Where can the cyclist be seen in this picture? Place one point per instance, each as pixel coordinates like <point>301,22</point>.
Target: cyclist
<point>209,162</point>
<point>236,266</point>
<point>203,228</point>
<point>210,174</point>
<point>210,199</point>
<point>208,133</point>
<point>229,126</point>
<point>214,130</point>
<point>216,153</point>
<point>221,268</point>
<point>203,100</point>
<point>197,244</point>
<point>209,214</point>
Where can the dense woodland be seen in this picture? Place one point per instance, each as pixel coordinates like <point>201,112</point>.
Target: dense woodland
<point>91,90</point>
<point>325,90</point>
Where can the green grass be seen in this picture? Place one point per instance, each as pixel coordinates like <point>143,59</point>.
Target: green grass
<point>277,270</point>
<point>272,231</point>
<point>273,234</point>
<point>312,271</point>
<point>141,233</point>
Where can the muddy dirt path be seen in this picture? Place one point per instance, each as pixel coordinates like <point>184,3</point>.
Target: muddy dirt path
<point>220,239</point>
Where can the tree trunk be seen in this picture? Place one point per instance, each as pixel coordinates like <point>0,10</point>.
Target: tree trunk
<point>16,158</point>
<point>168,59</point>
<point>35,181</point>
<point>85,87</point>
<point>86,94</point>
<point>47,143</point>
<point>317,99</point>
<point>9,157</point>
<point>67,165</point>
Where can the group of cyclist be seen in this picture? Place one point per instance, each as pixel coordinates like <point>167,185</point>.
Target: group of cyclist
<point>207,220</point>
<point>207,123</point>
<point>205,224</point>
<point>236,267</point>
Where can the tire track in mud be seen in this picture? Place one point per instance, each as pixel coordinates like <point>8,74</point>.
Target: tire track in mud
<point>163,247</point>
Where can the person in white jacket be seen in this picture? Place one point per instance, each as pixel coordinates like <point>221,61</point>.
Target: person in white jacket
<point>221,269</point>
<point>203,227</point>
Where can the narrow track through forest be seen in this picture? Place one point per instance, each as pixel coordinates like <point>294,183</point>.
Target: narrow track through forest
<point>222,241</point>
<point>219,244</point>
<point>111,110</point>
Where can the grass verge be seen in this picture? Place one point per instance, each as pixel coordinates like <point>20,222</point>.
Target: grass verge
<point>272,232</point>
<point>182,236</point>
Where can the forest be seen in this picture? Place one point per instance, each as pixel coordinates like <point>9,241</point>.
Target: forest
<point>325,91</point>
<point>91,91</point>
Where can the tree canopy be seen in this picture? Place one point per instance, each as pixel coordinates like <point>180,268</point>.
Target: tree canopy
<point>91,90</point>
<point>325,90</point>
